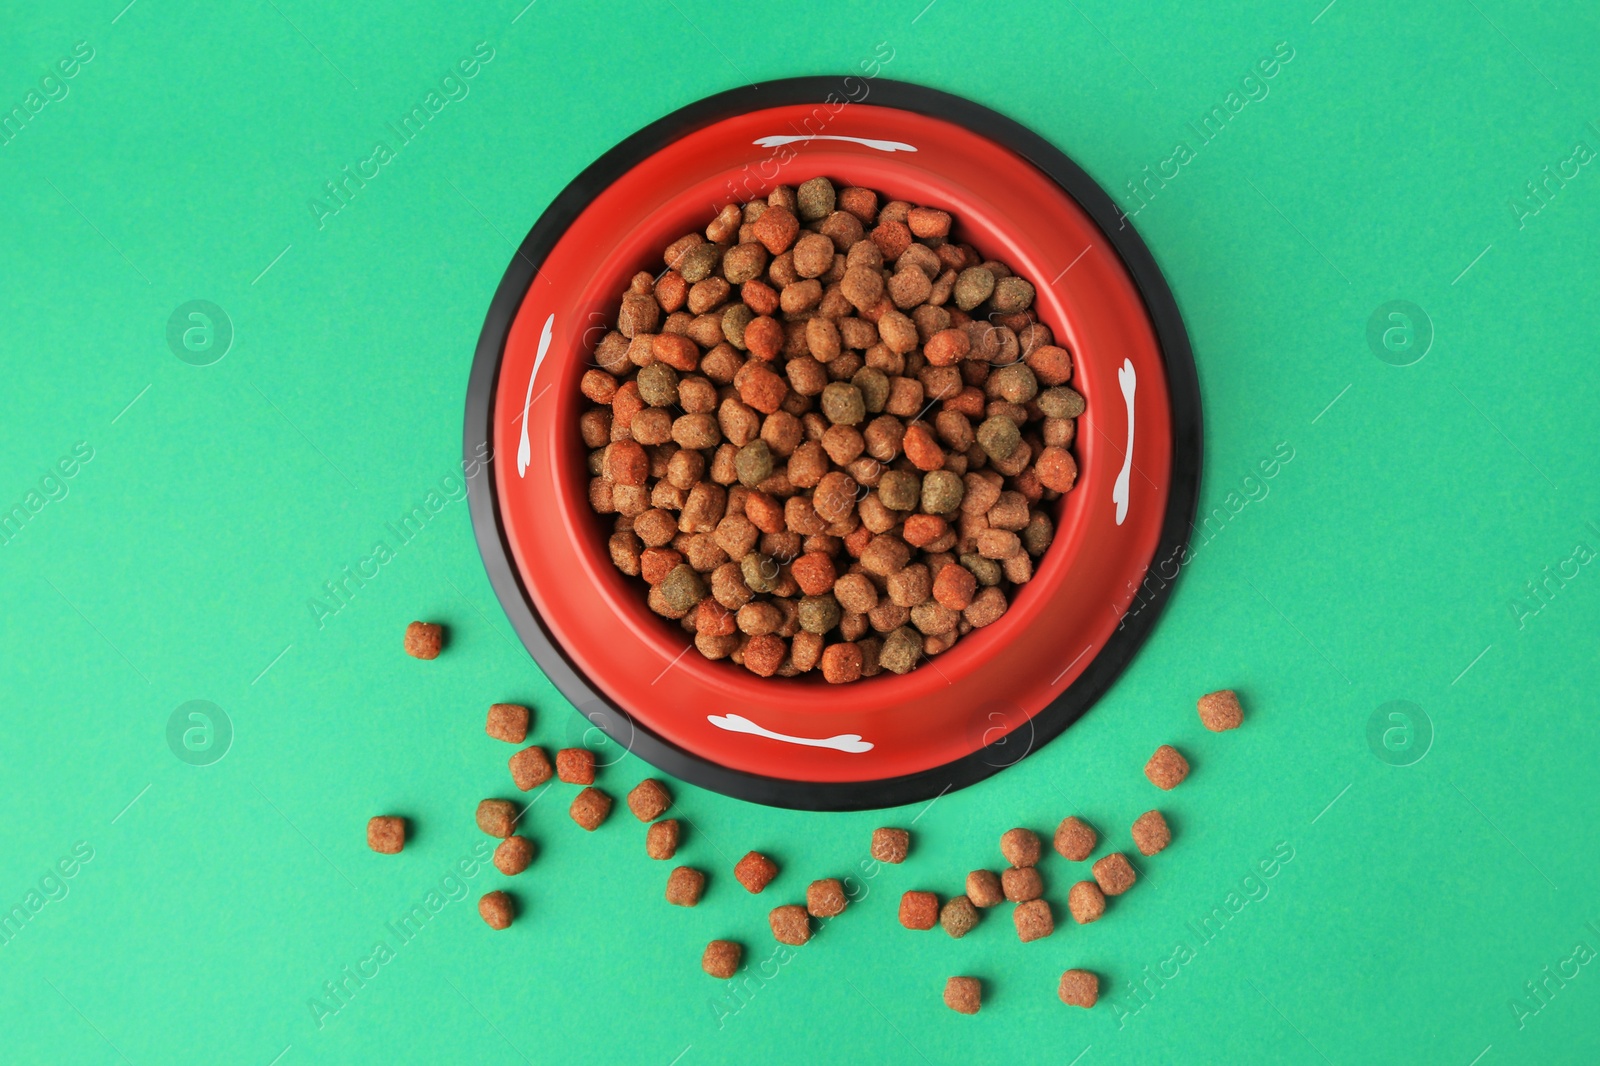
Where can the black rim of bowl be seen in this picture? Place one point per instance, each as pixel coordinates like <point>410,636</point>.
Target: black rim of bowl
<point>1005,750</point>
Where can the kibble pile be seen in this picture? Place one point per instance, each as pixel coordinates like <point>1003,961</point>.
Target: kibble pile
<point>829,433</point>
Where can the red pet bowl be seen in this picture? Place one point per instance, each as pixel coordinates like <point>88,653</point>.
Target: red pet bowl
<point>1002,690</point>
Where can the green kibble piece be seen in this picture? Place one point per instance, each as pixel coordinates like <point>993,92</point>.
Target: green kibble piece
<point>973,286</point>
<point>815,199</point>
<point>900,490</point>
<point>1015,383</point>
<point>987,571</point>
<point>658,385</point>
<point>901,650</point>
<point>753,464</point>
<point>942,491</point>
<point>818,614</point>
<point>1061,402</point>
<point>734,320</point>
<point>999,437</point>
<point>1038,534</point>
<point>760,572</point>
<point>1012,295</point>
<point>842,404</point>
<point>698,262</point>
<point>682,588</point>
<point>874,387</point>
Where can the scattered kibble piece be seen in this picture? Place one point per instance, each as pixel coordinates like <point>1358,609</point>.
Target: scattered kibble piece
<point>386,834</point>
<point>508,722</point>
<point>984,888</point>
<point>575,766</point>
<point>649,799</point>
<point>721,959</point>
<point>590,808</point>
<point>661,839</point>
<point>755,871</point>
<point>890,845</point>
<point>1021,883</point>
<point>424,639</point>
<point>530,768</point>
<point>1020,847</point>
<point>1086,902</point>
<point>513,855</point>
<point>1167,768</point>
<point>498,818</point>
<point>684,886</point>
<point>496,909</point>
<point>958,916</point>
<point>964,995</point>
<point>1079,988</point>
<point>1220,711</point>
<point>790,924</point>
<point>1034,920</point>
<point>919,910</point>
<point>1114,873</point>
<point>1075,839</point>
<point>1150,832</point>
<point>826,898</point>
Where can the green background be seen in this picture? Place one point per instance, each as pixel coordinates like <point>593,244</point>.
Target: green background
<point>1382,563</point>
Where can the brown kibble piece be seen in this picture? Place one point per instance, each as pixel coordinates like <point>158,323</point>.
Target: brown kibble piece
<point>1021,883</point>
<point>661,839</point>
<point>530,768</point>
<point>575,766</point>
<point>1220,711</point>
<point>1151,833</point>
<point>1079,988</point>
<point>1167,768</point>
<point>513,855</point>
<point>1033,920</point>
<point>386,834</point>
<point>721,959</point>
<point>1114,873</point>
<point>498,818</point>
<point>790,924</point>
<point>424,639</point>
<point>890,845</point>
<point>684,885</point>
<point>826,898</point>
<point>984,888</point>
<point>958,916</point>
<point>590,808</point>
<point>508,722</point>
<point>919,910</point>
<point>755,871</point>
<point>964,995</point>
<point>1075,839</point>
<point>496,909</point>
<point>1086,902</point>
<point>649,799</point>
<point>1020,847</point>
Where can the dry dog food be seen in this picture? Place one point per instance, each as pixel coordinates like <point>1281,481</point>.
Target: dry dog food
<point>964,995</point>
<point>498,818</point>
<point>890,845</point>
<point>790,924</point>
<point>984,888</point>
<point>1075,839</point>
<point>649,799</point>
<point>386,834</point>
<point>755,871</point>
<point>721,959</point>
<point>1220,711</point>
<point>424,639</point>
<point>496,909</point>
<point>684,886</point>
<point>661,839</point>
<point>508,722</point>
<point>826,898</point>
<point>589,808</point>
<point>1150,832</point>
<point>1021,883</point>
<point>1020,847</point>
<point>513,855</point>
<point>1167,767</point>
<point>919,910</point>
<point>830,437</point>
<point>1086,902</point>
<point>575,766</point>
<point>1034,920</point>
<point>958,916</point>
<point>1079,988</point>
<point>1114,873</point>
<point>530,768</point>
